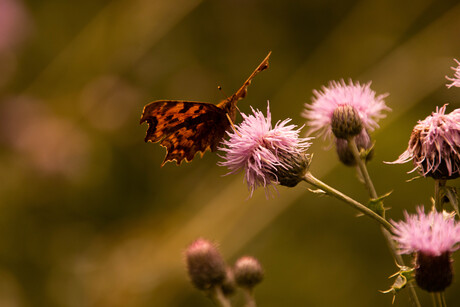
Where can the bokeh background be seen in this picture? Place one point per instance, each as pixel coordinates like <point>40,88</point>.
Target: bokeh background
<point>89,218</point>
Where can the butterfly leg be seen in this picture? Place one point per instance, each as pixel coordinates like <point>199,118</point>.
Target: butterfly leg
<point>231,123</point>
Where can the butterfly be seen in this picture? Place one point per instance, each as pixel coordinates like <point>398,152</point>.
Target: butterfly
<point>186,127</point>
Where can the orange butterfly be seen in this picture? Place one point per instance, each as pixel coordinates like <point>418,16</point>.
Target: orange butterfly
<point>187,127</point>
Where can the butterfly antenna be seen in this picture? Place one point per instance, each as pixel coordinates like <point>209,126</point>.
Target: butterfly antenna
<point>233,126</point>
<point>222,91</point>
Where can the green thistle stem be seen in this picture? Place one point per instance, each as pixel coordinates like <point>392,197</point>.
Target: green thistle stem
<point>443,299</point>
<point>362,167</point>
<point>434,300</point>
<point>439,185</point>
<point>308,177</point>
<point>386,233</point>
<point>438,299</point>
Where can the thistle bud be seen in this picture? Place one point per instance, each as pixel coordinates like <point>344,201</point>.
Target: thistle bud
<point>363,142</point>
<point>205,265</point>
<point>248,272</point>
<point>433,273</point>
<point>292,169</point>
<point>345,122</point>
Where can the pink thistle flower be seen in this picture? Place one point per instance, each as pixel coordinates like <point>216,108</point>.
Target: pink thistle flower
<point>433,237</point>
<point>361,98</point>
<point>268,155</point>
<point>432,234</point>
<point>434,145</point>
<point>456,79</point>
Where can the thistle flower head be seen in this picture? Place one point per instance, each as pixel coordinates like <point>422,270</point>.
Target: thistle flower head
<point>364,101</point>
<point>205,265</point>
<point>456,79</point>
<point>268,155</point>
<point>431,234</point>
<point>434,145</point>
<point>248,272</point>
<point>433,237</point>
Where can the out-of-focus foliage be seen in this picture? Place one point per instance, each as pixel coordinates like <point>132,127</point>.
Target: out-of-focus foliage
<point>88,217</point>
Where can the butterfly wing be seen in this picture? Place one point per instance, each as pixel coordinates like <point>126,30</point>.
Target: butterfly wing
<point>187,127</point>
<point>229,104</point>
<point>184,127</point>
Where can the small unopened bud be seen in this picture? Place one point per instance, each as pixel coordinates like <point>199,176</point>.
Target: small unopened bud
<point>293,169</point>
<point>363,142</point>
<point>205,265</point>
<point>248,272</point>
<point>229,284</point>
<point>345,122</point>
<point>433,273</point>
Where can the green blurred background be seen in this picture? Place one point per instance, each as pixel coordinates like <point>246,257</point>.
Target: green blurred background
<point>88,216</point>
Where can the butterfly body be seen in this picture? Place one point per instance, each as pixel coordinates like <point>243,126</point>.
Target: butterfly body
<point>187,127</point>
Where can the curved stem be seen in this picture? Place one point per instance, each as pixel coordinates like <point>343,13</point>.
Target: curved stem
<point>308,177</point>
<point>387,228</point>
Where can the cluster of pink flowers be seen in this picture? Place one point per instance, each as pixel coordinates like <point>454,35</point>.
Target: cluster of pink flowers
<point>434,146</point>
<point>264,152</point>
<point>349,112</point>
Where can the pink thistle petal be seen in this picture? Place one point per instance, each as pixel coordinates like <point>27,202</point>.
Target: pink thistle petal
<point>364,100</point>
<point>431,234</point>
<point>456,79</point>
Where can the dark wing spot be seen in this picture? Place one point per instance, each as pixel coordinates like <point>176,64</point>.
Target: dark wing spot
<point>172,121</point>
<point>185,108</point>
<point>198,110</point>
